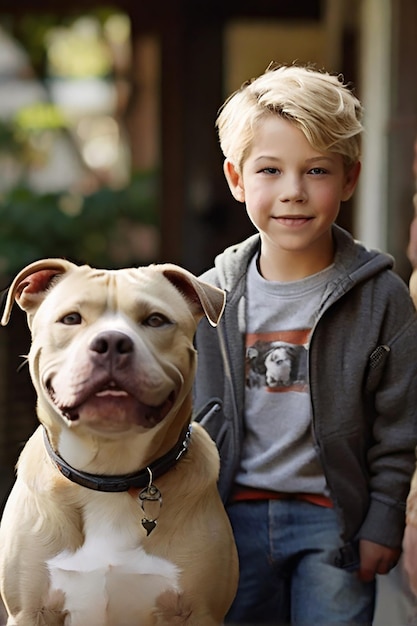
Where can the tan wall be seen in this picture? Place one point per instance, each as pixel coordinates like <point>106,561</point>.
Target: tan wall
<point>251,46</point>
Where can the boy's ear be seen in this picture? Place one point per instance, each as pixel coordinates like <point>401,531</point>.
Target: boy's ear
<point>234,180</point>
<point>351,180</point>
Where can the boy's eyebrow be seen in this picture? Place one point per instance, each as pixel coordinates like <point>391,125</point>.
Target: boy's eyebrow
<point>277,159</point>
<point>320,159</point>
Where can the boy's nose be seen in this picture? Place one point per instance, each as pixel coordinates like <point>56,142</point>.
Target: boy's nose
<point>292,190</point>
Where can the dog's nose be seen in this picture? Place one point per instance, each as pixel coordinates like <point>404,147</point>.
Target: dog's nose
<point>111,343</point>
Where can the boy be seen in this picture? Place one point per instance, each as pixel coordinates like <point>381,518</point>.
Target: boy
<point>308,386</point>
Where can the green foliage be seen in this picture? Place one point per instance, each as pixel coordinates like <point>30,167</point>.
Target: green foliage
<point>104,229</point>
<point>33,28</point>
<point>38,117</point>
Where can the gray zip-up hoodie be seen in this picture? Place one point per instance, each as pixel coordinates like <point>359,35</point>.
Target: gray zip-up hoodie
<point>363,385</point>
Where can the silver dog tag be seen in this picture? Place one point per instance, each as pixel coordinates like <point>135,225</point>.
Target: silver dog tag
<point>150,500</point>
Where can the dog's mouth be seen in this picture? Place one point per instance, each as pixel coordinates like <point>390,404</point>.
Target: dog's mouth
<point>108,405</point>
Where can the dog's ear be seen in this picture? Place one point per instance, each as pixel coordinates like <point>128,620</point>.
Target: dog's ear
<point>210,300</point>
<point>30,286</point>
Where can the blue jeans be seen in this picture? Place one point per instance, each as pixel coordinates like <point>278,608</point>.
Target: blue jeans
<point>288,574</point>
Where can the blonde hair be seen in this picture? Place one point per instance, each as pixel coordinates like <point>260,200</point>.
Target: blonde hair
<point>316,102</point>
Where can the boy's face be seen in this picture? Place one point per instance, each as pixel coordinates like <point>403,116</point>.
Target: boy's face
<point>292,194</point>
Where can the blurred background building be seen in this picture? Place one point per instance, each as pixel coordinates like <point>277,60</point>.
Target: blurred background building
<point>108,150</point>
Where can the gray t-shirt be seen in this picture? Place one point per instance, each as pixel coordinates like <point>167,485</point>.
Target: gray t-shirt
<point>278,451</point>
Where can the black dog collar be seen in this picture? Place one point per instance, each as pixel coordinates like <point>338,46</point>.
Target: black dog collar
<point>123,482</point>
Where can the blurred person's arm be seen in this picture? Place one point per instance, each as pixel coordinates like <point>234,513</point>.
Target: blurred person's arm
<point>410,533</point>
<point>412,253</point>
<point>412,244</point>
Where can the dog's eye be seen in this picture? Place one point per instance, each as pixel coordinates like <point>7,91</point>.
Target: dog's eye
<point>71,319</point>
<point>156,320</point>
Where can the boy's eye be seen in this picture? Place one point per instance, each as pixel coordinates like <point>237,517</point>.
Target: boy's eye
<point>318,170</point>
<point>270,170</point>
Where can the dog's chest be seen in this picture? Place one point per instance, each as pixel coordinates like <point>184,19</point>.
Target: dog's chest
<point>111,579</point>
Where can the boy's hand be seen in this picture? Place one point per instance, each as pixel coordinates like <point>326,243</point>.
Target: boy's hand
<point>376,559</point>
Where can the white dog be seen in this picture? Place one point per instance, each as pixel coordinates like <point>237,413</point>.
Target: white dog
<point>278,364</point>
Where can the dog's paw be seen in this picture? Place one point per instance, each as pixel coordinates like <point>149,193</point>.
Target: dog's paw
<point>172,610</point>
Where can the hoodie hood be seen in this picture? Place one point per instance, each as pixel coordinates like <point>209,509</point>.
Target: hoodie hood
<point>355,262</point>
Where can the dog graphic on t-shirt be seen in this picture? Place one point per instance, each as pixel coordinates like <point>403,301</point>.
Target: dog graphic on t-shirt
<point>276,365</point>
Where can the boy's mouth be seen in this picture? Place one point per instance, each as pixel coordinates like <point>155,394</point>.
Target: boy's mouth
<point>294,220</point>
